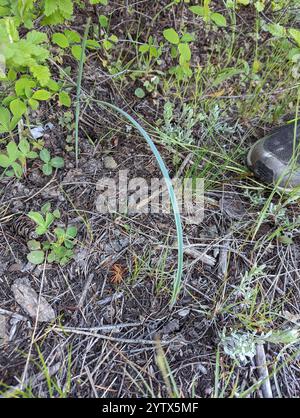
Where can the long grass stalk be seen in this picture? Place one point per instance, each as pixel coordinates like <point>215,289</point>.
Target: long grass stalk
<point>78,89</point>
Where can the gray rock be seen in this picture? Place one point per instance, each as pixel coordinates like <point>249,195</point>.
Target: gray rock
<point>28,299</point>
<point>110,163</point>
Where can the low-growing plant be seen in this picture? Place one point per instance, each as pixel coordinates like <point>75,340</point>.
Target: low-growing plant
<point>58,247</point>
<point>178,129</point>
<point>15,159</point>
<point>50,163</point>
<point>180,49</point>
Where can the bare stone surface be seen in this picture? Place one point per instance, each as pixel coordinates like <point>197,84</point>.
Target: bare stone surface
<point>28,299</point>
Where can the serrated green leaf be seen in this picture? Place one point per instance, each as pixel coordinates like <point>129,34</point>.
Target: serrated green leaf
<point>187,37</point>
<point>41,73</point>
<point>56,214</point>
<point>4,118</point>
<point>24,146</point>
<point>36,37</point>
<point>60,39</point>
<point>22,84</point>
<point>50,7</point>
<point>144,48</point>
<point>46,208</point>
<point>45,155</point>
<point>72,36</point>
<point>171,36</point>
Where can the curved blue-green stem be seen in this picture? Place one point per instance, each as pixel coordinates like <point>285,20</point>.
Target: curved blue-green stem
<point>165,173</point>
<point>163,168</point>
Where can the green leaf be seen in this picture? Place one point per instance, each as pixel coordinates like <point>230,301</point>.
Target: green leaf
<point>12,150</point>
<point>295,34</point>
<point>276,30</point>
<point>22,84</point>
<point>197,10</point>
<point>185,53</point>
<point>41,230</point>
<point>59,232</point>
<point>4,118</point>
<point>36,37</point>
<point>33,245</point>
<point>76,52</point>
<point>144,48</point>
<point>57,162</point>
<point>46,208</point>
<point>24,146</point>
<point>53,85</point>
<point>92,44</point>
<point>34,104</point>
<point>71,231</point>
<point>72,36</point>
<point>11,75</point>
<point>218,19</point>
<point>171,36</point>
<point>139,93</point>
<point>187,37</point>
<point>4,161</point>
<point>64,99</point>
<point>60,39</point>
<point>56,214</point>
<point>47,169</point>
<point>17,107</point>
<point>32,154</point>
<point>51,257</point>
<point>103,20</point>
<point>41,73</point>
<point>18,170</point>
<point>36,257</point>
<point>37,218</point>
<point>41,95</point>
<point>259,5</point>
<point>45,155</point>
<point>50,7</point>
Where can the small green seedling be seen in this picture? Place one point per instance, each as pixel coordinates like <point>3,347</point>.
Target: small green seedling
<point>44,222</point>
<point>208,15</point>
<point>61,250</point>
<point>14,161</point>
<point>180,47</point>
<point>58,247</point>
<point>50,163</point>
